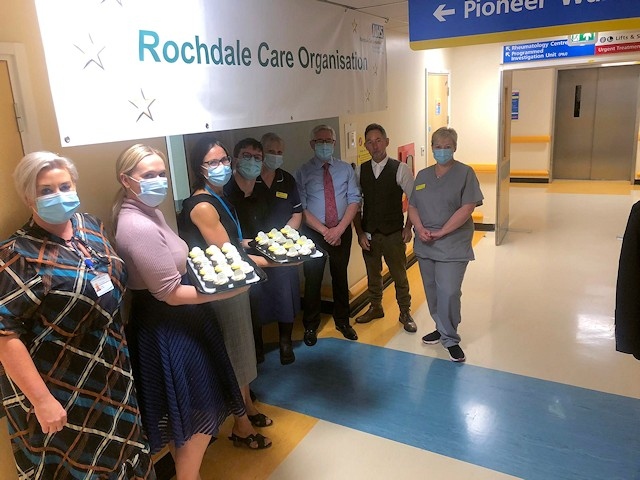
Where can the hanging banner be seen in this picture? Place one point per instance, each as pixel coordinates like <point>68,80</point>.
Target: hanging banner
<point>122,70</point>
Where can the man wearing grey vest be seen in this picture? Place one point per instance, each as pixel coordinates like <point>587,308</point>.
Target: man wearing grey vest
<point>381,228</point>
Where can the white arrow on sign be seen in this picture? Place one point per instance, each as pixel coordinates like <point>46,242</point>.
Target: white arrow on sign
<point>441,12</point>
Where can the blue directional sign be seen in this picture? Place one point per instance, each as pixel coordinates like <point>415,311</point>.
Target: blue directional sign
<point>451,23</point>
<point>544,50</point>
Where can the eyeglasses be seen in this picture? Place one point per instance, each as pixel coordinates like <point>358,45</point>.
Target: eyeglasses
<point>326,140</point>
<point>247,156</point>
<point>226,161</point>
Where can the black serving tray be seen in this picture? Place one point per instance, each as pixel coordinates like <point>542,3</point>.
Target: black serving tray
<point>196,280</point>
<point>268,255</point>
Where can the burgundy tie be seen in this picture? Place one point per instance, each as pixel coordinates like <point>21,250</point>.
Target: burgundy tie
<point>330,209</point>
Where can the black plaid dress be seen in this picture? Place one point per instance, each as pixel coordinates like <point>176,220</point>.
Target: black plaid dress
<point>76,341</point>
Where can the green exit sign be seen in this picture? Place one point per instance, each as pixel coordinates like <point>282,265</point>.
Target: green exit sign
<point>588,38</point>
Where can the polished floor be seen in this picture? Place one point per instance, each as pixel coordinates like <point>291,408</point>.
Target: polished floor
<point>543,394</point>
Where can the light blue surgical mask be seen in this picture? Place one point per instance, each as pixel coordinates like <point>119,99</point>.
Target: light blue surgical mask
<point>324,151</point>
<point>152,190</point>
<point>249,168</point>
<point>219,176</point>
<point>273,162</point>
<point>442,155</point>
<point>57,208</point>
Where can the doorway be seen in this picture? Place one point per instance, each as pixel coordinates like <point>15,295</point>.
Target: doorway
<point>437,107</point>
<point>596,123</point>
<point>12,152</point>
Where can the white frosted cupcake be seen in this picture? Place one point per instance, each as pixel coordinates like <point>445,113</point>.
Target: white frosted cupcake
<point>238,276</point>
<point>196,252</point>
<point>221,279</point>
<point>304,251</point>
<point>247,269</point>
<point>292,253</point>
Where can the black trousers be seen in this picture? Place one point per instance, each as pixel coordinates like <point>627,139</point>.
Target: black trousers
<point>313,273</point>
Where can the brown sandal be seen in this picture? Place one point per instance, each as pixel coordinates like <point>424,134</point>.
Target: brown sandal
<point>260,441</point>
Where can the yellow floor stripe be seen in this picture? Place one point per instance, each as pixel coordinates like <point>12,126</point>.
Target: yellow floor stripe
<point>223,460</point>
<point>583,187</point>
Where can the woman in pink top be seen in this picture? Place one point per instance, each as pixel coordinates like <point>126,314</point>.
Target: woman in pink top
<point>186,384</point>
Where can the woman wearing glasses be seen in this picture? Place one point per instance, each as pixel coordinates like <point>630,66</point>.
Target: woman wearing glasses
<point>207,218</point>
<point>266,197</point>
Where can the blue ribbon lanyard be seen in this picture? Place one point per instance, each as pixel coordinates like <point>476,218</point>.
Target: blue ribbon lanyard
<point>233,217</point>
<point>87,260</point>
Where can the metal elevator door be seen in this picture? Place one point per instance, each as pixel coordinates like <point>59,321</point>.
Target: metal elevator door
<point>595,123</point>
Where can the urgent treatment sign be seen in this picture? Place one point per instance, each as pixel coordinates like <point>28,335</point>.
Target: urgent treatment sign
<point>124,69</point>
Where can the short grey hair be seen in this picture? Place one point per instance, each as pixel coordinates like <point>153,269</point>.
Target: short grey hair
<point>271,137</point>
<point>446,132</point>
<point>26,173</point>
<point>319,128</point>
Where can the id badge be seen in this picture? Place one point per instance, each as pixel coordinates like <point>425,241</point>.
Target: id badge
<point>102,284</point>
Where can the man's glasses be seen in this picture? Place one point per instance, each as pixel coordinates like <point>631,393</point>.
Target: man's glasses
<point>226,161</point>
<point>247,156</point>
<point>320,140</point>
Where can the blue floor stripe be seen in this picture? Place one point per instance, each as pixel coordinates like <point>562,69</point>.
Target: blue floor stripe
<point>510,423</point>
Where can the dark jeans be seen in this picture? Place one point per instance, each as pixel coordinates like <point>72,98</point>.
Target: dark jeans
<point>393,249</point>
<point>313,273</point>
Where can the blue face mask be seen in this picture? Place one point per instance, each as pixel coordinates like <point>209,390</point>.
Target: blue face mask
<point>57,208</point>
<point>442,155</point>
<point>324,151</point>
<point>273,162</point>
<point>219,176</point>
<point>249,168</point>
<point>152,190</point>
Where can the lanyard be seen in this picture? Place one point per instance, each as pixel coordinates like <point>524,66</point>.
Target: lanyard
<point>87,260</point>
<point>233,217</point>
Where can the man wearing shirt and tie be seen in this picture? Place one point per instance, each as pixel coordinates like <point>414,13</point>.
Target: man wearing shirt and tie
<point>330,200</point>
<point>381,228</point>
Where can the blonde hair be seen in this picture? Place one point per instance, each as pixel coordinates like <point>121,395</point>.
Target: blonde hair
<point>26,173</point>
<point>126,163</point>
<point>445,132</point>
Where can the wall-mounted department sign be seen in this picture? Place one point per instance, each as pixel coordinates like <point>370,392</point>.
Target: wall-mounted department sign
<point>602,43</point>
<point>121,70</point>
<point>453,23</point>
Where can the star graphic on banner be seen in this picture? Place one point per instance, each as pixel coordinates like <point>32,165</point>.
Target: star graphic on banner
<point>92,52</point>
<point>354,24</point>
<point>366,97</point>
<point>143,104</point>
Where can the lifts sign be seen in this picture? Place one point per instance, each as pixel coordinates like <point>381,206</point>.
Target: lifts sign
<point>124,69</point>
<point>452,23</point>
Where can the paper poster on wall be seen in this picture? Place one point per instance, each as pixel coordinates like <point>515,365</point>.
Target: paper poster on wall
<point>515,105</point>
<point>438,106</point>
<point>126,70</point>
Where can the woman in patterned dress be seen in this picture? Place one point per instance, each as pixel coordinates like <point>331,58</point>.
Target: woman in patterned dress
<point>68,391</point>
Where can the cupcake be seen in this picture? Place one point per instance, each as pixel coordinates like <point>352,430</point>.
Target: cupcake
<point>228,248</point>
<point>221,279</point>
<point>304,251</point>
<point>280,253</point>
<point>238,276</point>
<point>209,280</point>
<point>288,244</point>
<point>247,269</point>
<point>205,270</point>
<point>196,252</point>
<point>272,233</point>
<point>212,250</point>
<point>200,261</point>
<point>292,254</point>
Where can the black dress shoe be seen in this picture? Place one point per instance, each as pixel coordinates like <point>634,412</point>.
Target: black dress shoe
<point>409,325</point>
<point>310,337</point>
<point>347,332</point>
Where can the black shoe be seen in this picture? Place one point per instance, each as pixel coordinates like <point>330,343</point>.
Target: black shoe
<point>286,353</point>
<point>409,325</point>
<point>310,337</point>
<point>456,353</point>
<point>347,332</point>
<point>432,338</point>
<point>372,313</point>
